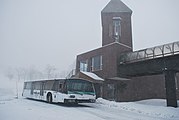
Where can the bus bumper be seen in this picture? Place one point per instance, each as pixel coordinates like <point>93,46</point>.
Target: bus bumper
<point>79,100</point>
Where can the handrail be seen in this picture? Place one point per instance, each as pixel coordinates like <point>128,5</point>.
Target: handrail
<point>72,73</point>
<point>150,53</point>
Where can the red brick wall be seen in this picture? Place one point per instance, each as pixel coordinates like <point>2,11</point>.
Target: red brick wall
<point>126,28</point>
<point>110,55</point>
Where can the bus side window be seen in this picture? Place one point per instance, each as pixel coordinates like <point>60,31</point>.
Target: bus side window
<point>60,87</point>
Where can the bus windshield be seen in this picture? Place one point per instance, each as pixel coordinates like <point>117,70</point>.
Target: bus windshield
<point>77,86</point>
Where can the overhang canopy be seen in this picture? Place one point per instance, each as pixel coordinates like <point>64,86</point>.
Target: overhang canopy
<point>90,76</point>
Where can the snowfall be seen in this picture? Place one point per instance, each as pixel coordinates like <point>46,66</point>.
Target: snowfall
<point>13,108</point>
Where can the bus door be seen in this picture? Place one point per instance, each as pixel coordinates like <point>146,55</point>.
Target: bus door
<point>42,85</point>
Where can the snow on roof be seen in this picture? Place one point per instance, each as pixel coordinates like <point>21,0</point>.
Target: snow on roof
<point>92,75</point>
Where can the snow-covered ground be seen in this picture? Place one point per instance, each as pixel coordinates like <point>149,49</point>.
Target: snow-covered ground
<point>12,108</point>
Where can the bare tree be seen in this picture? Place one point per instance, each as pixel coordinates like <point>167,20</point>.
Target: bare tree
<point>33,73</point>
<point>49,71</point>
<point>63,74</point>
<point>10,74</point>
<point>30,73</point>
<point>24,73</point>
<point>19,73</point>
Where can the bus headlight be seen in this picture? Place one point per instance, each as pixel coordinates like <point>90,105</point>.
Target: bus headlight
<point>92,100</point>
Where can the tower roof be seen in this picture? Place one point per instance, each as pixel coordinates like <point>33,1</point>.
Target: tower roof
<point>116,6</point>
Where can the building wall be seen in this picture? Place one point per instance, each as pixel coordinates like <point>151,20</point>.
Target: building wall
<point>147,87</point>
<point>126,28</point>
<point>137,88</point>
<point>109,54</point>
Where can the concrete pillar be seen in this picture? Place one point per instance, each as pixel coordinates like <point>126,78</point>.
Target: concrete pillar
<point>170,88</point>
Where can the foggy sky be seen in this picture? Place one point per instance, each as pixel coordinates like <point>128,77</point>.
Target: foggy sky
<point>41,32</point>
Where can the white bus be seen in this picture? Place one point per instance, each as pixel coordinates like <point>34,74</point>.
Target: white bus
<point>60,90</point>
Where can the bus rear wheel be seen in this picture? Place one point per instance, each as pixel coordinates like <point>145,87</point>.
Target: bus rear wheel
<point>49,98</point>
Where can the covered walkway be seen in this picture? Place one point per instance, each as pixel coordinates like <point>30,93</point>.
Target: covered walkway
<point>162,59</point>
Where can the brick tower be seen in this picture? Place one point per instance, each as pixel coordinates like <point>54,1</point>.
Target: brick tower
<point>116,23</point>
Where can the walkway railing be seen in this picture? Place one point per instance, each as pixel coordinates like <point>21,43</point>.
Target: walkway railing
<point>71,74</point>
<point>150,53</point>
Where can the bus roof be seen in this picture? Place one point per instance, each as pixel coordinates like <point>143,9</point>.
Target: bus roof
<point>54,79</point>
<point>45,80</point>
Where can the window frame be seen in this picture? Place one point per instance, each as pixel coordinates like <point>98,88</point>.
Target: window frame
<point>82,66</point>
<point>117,28</point>
<point>100,64</point>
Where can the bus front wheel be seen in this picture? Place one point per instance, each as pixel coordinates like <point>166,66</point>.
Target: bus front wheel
<point>49,98</point>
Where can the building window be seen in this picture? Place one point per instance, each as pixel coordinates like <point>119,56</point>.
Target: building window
<point>84,65</point>
<point>96,63</point>
<point>117,28</point>
<point>176,82</point>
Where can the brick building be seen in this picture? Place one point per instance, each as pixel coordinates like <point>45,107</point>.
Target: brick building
<point>117,39</point>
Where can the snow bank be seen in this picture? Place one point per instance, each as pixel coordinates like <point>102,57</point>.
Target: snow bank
<point>152,107</point>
